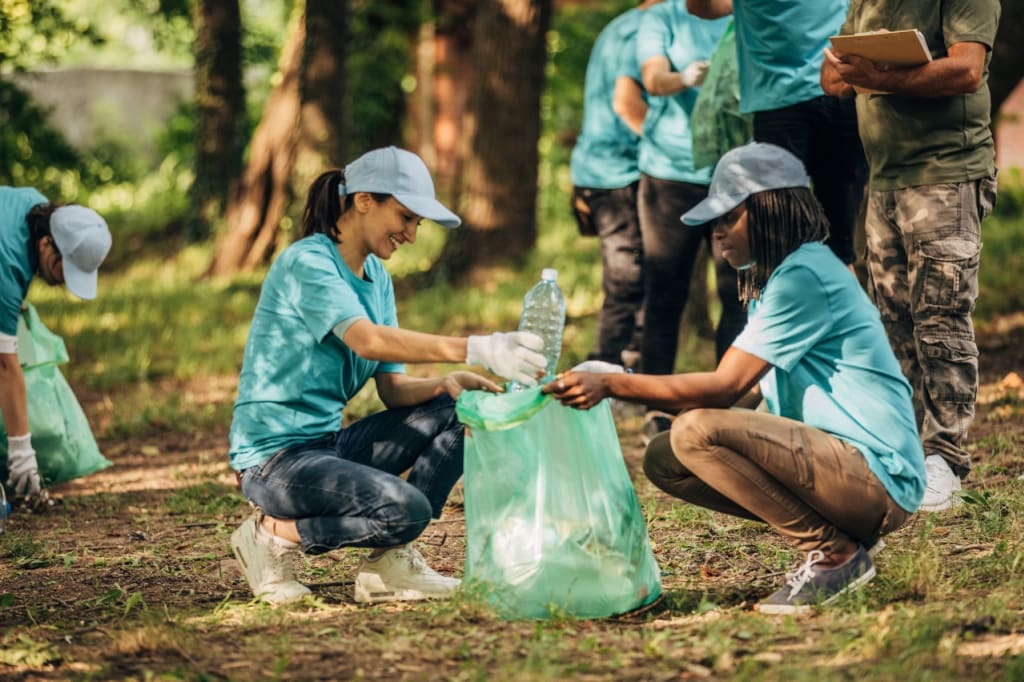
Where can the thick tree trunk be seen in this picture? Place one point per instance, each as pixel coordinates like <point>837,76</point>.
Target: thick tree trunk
<point>220,112</point>
<point>322,85</point>
<point>499,178</point>
<point>259,199</point>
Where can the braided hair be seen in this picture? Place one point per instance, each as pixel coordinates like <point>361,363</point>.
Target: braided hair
<point>324,206</point>
<point>780,221</point>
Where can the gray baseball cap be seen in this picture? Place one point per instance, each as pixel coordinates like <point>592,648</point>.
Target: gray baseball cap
<point>746,170</point>
<point>404,176</point>
<point>83,239</point>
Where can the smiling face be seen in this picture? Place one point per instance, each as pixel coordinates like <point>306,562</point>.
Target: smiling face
<point>51,263</point>
<point>731,237</point>
<point>389,225</point>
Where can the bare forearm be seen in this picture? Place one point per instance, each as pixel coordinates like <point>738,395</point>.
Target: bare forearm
<point>672,393</point>
<point>13,403</point>
<point>940,78</point>
<point>709,9</point>
<point>400,390</point>
<point>389,344</point>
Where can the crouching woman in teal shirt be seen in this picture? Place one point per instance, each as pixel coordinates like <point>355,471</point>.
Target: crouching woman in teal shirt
<point>837,463</point>
<point>324,325</point>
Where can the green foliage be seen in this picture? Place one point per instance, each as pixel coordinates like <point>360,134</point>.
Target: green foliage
<point>33,32</point>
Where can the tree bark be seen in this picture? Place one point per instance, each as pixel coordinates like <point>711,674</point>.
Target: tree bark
<point>220,112</point>
<point>258,201</point>
<point>322,86</point>
<point>1007,65</point>
<point>499,177</point>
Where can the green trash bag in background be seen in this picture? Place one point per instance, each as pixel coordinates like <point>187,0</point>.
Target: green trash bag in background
<point>61,435</point>
<point>553,524</point>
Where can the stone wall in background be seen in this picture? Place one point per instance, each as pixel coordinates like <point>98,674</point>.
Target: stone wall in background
<point>90,105</point>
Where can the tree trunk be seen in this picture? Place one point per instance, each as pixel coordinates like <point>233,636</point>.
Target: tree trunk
<point>322,84</point>
<point>220,112</point>
<point>453,73</point>
<point>499,179</point>
<point>258,201</point>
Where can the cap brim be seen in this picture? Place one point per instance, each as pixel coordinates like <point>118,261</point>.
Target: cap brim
<point>711,208</point>
<point>82,284</point>
<point>431,209</point>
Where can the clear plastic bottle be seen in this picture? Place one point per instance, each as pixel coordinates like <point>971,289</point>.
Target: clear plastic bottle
<point>544,315</point>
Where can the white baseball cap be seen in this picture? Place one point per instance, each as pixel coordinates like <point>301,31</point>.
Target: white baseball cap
<point>83,239</point>
<point>404,176</point>
<point>745,170</point>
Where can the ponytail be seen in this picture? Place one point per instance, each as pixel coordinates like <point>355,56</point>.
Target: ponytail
<point>323,205</point>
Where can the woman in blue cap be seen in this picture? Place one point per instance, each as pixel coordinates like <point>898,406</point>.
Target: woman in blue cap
<point>836,462</point>
<point>62,245</point>
<point>324,325</point>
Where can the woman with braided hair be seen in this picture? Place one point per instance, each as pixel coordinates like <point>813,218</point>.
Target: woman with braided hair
<point>836,461</point>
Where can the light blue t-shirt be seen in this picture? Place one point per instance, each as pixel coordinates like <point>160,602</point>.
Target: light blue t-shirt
<point>605,153</point>
<point>17,262</point>
<point>666,147</point>
<point>833,366</point>
<point>780,45</point>
<point>297,375</point>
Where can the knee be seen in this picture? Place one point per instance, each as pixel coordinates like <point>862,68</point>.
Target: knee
<point>407,516</point>
<point>689,432</point>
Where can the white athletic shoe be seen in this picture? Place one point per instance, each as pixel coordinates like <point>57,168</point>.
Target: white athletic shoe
<point>942,483</point>
<point>401,574</point>
<point>269,567</point>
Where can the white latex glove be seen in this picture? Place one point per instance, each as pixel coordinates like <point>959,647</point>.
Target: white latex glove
<point>694,74</point>
<point>599,367</point>
<point>512,355</point>
<point>22,469</point>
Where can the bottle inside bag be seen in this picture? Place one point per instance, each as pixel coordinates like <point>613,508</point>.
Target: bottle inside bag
<point>544,315</point>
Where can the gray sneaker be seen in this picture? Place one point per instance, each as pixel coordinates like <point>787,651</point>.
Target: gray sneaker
<point>811,586</point>
<point>269,567</point>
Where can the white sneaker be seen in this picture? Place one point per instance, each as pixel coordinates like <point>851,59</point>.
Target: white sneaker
<point>269,567</point>
<point>401,574</point>
<point>942,483</point>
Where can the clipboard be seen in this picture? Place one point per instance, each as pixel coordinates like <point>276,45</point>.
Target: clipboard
<point>887,49</point>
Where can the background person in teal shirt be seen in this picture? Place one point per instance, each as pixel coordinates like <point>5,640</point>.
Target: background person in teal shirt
<point>780,47</point>
<point>837,462</point>
<point>605,177</point>
<point>325,323</point>
<point>63,245</point>
<point>673,48</point>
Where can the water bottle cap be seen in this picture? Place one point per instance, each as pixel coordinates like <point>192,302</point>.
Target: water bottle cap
<point>549,274</point>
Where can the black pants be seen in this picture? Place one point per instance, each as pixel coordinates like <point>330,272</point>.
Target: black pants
<point>613,215</point>
<point>822,132</point>
<point>670,251</point>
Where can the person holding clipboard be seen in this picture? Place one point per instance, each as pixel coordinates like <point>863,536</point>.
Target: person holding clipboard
<point>931,183</point>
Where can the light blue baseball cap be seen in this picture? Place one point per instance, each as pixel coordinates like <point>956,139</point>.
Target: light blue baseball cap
<point>83,239</point>
<point>404,176</point>
<point>746,170</point>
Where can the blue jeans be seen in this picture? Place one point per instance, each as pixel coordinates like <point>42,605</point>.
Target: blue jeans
<point>344,490</point>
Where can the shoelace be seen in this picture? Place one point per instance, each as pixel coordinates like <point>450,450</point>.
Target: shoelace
<point>798,578</point>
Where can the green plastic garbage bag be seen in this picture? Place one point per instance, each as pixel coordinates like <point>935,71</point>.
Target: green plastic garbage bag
<point>716,121</point>
<point>64,444</point>
<point>553,524</point>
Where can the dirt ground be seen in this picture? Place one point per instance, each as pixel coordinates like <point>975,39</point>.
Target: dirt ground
<point>130,575</point>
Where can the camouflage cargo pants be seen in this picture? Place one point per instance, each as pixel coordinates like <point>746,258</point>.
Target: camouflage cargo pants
<point>923,250</point>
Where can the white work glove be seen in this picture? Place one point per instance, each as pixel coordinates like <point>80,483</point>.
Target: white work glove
<point>599,367</point>
<point>694,74</point>
<point>22,469</point>
<point>512,355</point>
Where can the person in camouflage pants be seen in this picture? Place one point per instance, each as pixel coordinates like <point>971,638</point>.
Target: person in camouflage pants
<point>932,182</point>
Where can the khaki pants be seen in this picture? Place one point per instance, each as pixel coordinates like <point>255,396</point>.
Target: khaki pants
<point>811,487</point>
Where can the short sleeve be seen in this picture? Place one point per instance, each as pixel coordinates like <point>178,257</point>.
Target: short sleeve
<point>653,37</point>
<point>970,21</point>
<point>322,298</point>
<point>790,318</point>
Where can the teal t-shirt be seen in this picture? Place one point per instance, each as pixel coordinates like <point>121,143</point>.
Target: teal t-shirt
<point>605,153</point>
<point>833,366</point>
<point>666,146</point>
<point>17,263</point>
<point>914,141</point>
<point>297,375</point>
<point>780,45</point>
